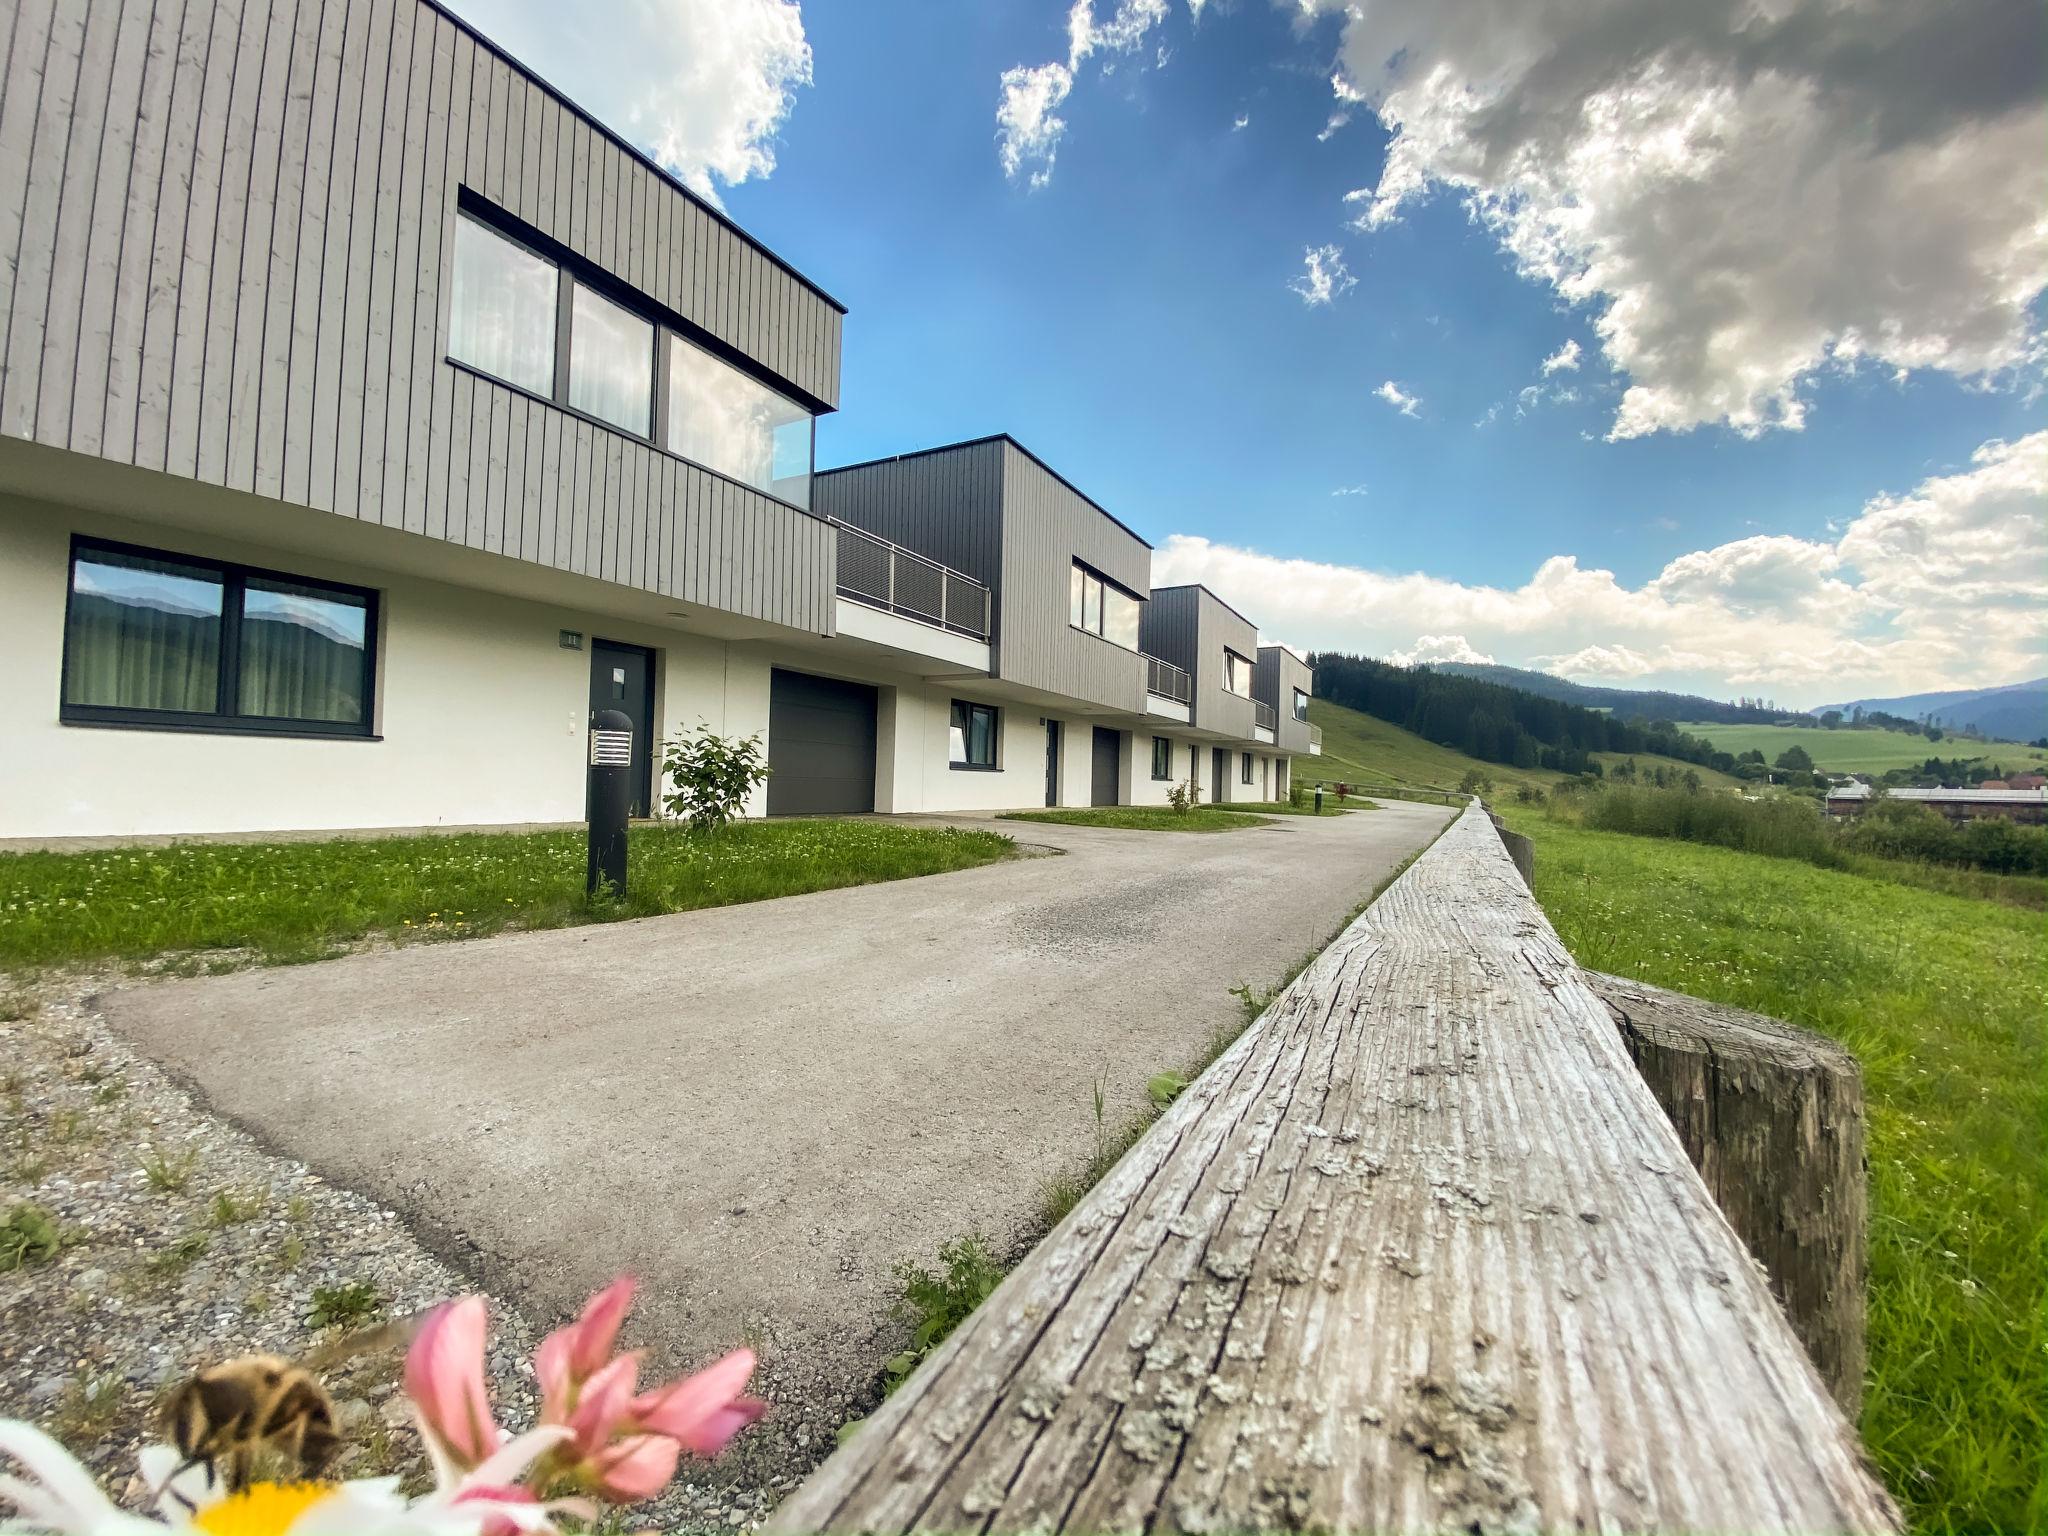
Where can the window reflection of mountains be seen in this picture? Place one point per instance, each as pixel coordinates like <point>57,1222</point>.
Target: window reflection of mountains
<point>279,613</point>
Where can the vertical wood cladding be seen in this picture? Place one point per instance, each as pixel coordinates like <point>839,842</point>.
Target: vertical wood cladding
<point>991,511</point>
<point>1278,674</point>
<point>1191,627</point>
<point>225,230</point>
<point>1047,526</point>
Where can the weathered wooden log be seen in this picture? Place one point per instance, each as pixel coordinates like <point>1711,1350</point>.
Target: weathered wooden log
<point>1420,1251</point>
<point>1772,1117</point>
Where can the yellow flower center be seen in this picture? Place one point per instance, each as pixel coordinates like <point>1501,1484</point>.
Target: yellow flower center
<point>261,1509</point>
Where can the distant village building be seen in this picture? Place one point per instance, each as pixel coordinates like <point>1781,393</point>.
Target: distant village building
<point>2028,805</point>
<point>2026,781</point>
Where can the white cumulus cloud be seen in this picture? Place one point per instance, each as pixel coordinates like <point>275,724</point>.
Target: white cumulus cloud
<point>702,85</point>
<point>1432,648</point>
<point>1398,398</point>
<point>1028,125</point>
<point>1323,275</point>
<point>1944,586</point>
<point>1564,360</point>
<point>1743,192</point>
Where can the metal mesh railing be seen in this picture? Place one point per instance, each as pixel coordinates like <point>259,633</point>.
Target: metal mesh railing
<point>885,575</point>
<point>1315,737</point>
<point>1166,681</point>
<point>1265,714</point>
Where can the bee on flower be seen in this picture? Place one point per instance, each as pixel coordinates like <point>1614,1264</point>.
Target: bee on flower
<point>599,1441</point>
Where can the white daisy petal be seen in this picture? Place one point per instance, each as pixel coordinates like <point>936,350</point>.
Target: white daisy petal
<point>63,1496</point>
<point>506,1464</point>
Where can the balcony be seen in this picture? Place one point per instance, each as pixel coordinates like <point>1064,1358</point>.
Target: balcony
<point>1265,716</point>
<point>1163,680</point>
<point>883,575</point>
<point>1315,741</point>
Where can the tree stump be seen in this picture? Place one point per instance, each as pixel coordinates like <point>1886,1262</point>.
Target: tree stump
<point>1772,1117</point>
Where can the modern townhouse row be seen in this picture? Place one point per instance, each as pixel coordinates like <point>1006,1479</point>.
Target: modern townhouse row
<point>370,416</point>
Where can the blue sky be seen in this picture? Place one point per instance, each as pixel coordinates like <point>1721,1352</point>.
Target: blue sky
<point>1136,320</point>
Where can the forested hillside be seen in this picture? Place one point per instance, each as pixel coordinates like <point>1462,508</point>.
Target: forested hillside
<point>1629,703</point>
<point>1498,724</point>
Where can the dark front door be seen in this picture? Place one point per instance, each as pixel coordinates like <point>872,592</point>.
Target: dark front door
<point>821,745</point>
<point>1052,762</point>
<point>1219,774</point>
<point>1102,767</point>
<point>622,678</point>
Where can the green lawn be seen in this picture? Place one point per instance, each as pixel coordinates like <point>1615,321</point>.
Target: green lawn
<point>1306,808</point>
<point>1361,749</point>
<point>1145,818</point>
<point>1943,999</point>
<point>1862,751</point>
<point>294,901</point>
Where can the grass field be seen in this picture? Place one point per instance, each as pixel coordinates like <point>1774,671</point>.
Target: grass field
<point>1284,808</point>
<point>1861,751</point>
<point>296,901</point>
<point>1360,749</point>
<point>1144,818</point>
<point>1943,999</point>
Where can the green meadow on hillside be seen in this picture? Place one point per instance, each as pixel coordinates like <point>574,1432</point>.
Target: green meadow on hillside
<point>1361,749</point>
<point>1862,751</point>
<point>1943,999</point>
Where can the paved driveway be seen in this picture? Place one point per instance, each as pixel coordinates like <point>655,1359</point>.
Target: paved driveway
<point>761,1109</point>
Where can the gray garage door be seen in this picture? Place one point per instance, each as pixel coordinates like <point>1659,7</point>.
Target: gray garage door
<point>821,745</point>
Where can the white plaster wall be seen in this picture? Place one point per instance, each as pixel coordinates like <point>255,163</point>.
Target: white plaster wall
<point>1146,790</point>
<point>482,715</point>
<point>915,772</point>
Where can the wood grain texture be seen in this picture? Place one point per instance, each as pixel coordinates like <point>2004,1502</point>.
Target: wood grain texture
<point>1772,1117</point>
<point>1419,1252</point>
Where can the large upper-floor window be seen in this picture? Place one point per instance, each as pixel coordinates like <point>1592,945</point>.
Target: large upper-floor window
<point>502,317</point>
<point>1102,608</point>
<point>1237,673</point>
<point>1300,705</point>
<point>166,640</point>
<point>507,320</point>
<point>611,363</point>
<point>737,425</point>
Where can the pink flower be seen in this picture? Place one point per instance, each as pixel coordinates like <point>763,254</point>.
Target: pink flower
<point>637,1468</point>
<point>444,1377</point>
<point>498,1523</point>
<point>702,1412</point>
<point>603,1405</point>
<point>571,1355</point>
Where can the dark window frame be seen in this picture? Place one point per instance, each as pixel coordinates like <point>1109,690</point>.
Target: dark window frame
<point>1159,743</point>
<point>1301,703</point>
<point>1244,772</point>
<point>1250,684</point>
<point>223,719</point>
<point>1089,572</point>
<point>572,271</point>
<point>995,737</point>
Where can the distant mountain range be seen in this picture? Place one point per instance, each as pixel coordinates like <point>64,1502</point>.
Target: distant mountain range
<point>2016,712</point>
<point>1627,703</point>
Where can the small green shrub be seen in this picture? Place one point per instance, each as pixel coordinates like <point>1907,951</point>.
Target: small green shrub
<point>1163,1088</point>
<point>169,1174</point>
<point>27,1236</point>
<point>710,776</point>
<point>935,1302</point>
<point>344,1306</point>
<point>1184,797</point>
<point>229,1208</point>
